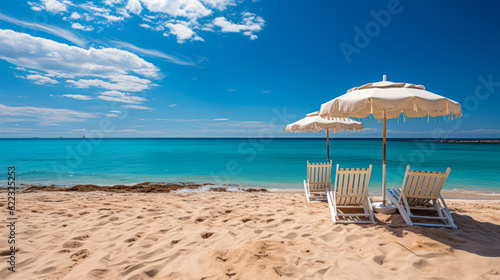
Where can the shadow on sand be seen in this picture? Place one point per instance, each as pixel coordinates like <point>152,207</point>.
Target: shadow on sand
<point>481,238</point>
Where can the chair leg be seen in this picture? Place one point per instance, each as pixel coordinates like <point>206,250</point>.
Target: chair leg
<point>437,207</point>
<point>370,208</point>
<point>331,204</point>
<point>306,188</point>
<point>446,208</point>
<point>446,213</point>
<point>407,206</point>
<point>400,207</point>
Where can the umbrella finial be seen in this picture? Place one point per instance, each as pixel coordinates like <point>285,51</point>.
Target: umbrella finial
<point>385,78</point>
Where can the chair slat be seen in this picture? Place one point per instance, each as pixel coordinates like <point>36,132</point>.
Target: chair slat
<point>318,176</point>
<point>423,184</point>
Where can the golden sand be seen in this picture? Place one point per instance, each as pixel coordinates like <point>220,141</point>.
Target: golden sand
<point>276,235</point>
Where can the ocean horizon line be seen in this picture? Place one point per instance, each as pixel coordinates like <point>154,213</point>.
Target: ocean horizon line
<point>257,137</point>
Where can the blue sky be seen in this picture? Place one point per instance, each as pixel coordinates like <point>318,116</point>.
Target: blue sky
<point>228,68</point>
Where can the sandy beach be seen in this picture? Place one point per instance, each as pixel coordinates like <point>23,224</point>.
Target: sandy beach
<point>221,235</point>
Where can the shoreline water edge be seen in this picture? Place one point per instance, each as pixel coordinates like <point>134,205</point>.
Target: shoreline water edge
<point>191,187</point>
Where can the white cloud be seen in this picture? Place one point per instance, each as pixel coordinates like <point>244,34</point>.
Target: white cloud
<point>54,6</point>
<point>102,15</point>
<point>112,115</point>
<point>138,107</point>
<point>76,25</point>
<point>183,18</point>
<point>221,119</point>
<point>266,91</point>
<point>44,116</point>
<point>42,54</point>
<point>112,2</point>
<point>78,96</point>
<point>112,18</point>
<point>119,82</point>
<point>134,6</point>
<point>192,9</point>
<point>182,31</point>
<point>41,80</point>
<point>250,24</point>
<point>156,53</point>
<point>54,30</point>
<point>172,105</point>
<point>75,16</point>
<point>108,68</point>
<point>123,97</point>
<point>219,4</point>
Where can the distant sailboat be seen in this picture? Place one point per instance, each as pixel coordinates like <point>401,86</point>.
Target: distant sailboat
<point>83,136</point>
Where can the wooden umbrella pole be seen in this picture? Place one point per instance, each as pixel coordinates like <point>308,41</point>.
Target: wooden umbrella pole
<point>327,146</point>
<point>384,160</point>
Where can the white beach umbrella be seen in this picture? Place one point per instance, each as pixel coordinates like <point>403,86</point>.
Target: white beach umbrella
<point>388,100</point>
<point>314,123</point>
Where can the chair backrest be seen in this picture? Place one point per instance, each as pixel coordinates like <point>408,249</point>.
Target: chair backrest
<point>319,176</point>
<point>423,184</point>
<point>351,182</point>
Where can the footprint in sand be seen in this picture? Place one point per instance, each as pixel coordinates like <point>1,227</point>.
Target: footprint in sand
<point>152,272</point>
<point>136,236</point>
<point>291,235</point>
<point>421,263</point>
<point>130,268</point>
<point>328,237</point>
<point>46,270</point>
<point>492,272</point>
<point>98,273</point>
<point>72,244</point>
<point>221,259</point>
<point>82,237</point>
<point>173,242</point>
<point>353,237</point>
<point>246,220</point>
<point>379,259</point>
<point>80,255</point>
<point>206,235</point>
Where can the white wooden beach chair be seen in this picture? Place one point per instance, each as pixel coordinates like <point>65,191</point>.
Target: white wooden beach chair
<point>351,192</point>
<point>421,190</point>
<point>318,180</point>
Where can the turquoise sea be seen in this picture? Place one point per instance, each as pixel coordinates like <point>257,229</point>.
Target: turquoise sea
<point>268,163</point>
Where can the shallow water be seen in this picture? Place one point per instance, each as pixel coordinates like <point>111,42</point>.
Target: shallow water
<point>270,163</point>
